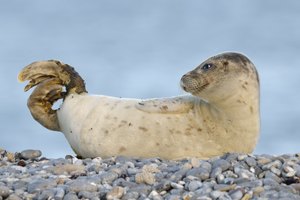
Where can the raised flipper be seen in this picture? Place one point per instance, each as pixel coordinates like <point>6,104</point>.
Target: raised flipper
<point>180,104</point>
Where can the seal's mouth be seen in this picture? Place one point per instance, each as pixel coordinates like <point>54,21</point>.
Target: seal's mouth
<point>193,85</point>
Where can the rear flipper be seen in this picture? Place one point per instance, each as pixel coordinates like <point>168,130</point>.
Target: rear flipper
<point>50,78</point>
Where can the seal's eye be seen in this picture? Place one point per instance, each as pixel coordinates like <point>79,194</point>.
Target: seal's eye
<point>206,67</point>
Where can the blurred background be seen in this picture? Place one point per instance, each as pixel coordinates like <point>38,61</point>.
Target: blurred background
<point>140,49</point>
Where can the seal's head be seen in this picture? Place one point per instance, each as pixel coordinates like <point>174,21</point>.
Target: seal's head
<point>220,76</point>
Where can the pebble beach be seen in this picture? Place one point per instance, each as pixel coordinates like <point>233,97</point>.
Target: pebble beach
<point>29,175</point>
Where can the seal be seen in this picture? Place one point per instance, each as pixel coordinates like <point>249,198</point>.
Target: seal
<point>220,115</point>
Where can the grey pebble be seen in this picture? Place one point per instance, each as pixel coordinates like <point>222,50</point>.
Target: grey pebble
<point>30,154</point>
<point>47,194</point>
<point>131,196</point>
<point>40,185</point>
<point>216,172</point>
<point>194,185</point>
<point>13,197</point>
<point>108,177</point>
<point>4,191</point>
<point>231,176</point>
<point>236,194</point>
<point>271,175</point>
<point>250,161</point>
<point>81,184</point>
<point>70,196</point>
<point>60,193</point>
<point>224,164</point>
<point>87,195</point>
<point>201,173</point>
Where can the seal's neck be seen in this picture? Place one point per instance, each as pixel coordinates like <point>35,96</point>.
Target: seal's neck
<point>238,102</point>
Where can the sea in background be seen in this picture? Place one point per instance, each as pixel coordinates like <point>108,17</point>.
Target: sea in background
<point>140,49</point>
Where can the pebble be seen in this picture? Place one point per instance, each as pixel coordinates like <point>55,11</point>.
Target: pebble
<point>234,176</point>
<point>30,154</point>
<point>115,193</point>
<point>4,191</point>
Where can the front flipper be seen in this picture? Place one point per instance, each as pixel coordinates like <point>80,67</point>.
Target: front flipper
<point>180,104</point>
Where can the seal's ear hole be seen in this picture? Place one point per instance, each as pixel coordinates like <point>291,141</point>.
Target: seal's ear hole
<point>225,63</point>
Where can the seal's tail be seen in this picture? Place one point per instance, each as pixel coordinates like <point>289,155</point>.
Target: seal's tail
<point>53,80</point>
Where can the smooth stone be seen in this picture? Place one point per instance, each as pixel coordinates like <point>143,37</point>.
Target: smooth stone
<point>270,182</point>
<point>81,184</point>
<point>221,179</point>
<point>251,162</point>
<point>60,193</point>
<point>40,185</point>
<point>155,195</point>
<point>224,164</point>
<point>194,185</point>
<point>224,187</point>
<point>30,154</point>
<point>132,171</point>
<point>206,165</point>
<point>173,197</point>
<point>276,171</point>
<point>14,197</point>
<point>176,186</point>
<point>200,172</point>
<point>236,194</point>
<point>215,172</point>
<point>70,196</point>
<point>164,185</point>
<point>108,177</point>
<point>131,196</point>
<point>271,175</point>
<point>216,194</point>
<point>87,195</point>
<point>177,176</point>
<point>116,193</point>
<point>275,163</point>
<point>4,191</point>
<point>251,184</point>
<point>46,194</point>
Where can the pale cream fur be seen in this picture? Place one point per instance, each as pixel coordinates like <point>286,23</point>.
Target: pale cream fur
<point>221,116</point>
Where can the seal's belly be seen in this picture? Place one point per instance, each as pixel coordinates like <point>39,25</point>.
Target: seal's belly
<point>107,126</point>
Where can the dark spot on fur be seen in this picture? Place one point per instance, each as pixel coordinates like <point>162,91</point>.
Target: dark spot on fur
<point>130,124</point>
<point>157,144</point>
<point>199,129</point>
<point>251,109</point>
<point>143,128</point>
<point>164,108</point>
<point>187,133</point>
<point>122,149</point>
